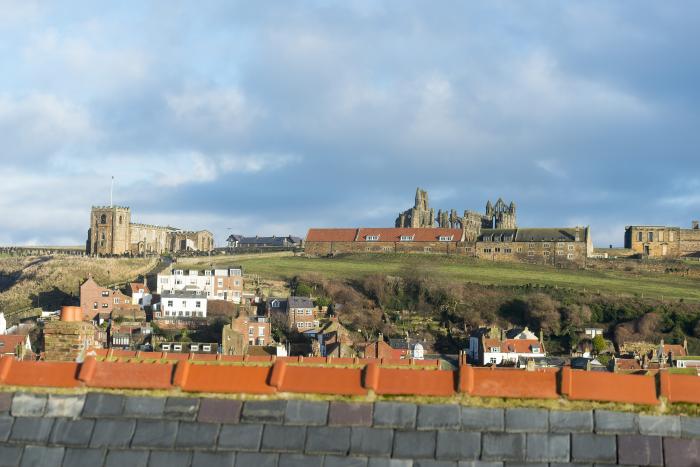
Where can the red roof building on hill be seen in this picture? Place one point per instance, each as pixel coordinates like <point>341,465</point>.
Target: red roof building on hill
<point>10,343</point>
<point>383,240</point>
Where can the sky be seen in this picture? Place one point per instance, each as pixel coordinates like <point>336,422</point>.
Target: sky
<point>272,117</point>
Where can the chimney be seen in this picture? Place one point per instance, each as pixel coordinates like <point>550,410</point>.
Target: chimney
<point>685,346</point>
<point>578,234</point>
<point>541,336</point>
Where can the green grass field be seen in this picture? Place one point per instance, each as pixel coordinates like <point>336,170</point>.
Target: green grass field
<point>285,266</point>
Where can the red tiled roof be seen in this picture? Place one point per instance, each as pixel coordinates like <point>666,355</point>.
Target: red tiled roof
<point>9,342</point>
<point>514,345</point>
<point>678,350</point>
<point>331,235</point>
<point>306,377</point>
<point>628,364</point>
<point>136,286</point>
<point>385,234</point>
<point>521,345</point>
<point>419,235</point>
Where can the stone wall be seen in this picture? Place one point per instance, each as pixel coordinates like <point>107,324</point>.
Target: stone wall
<point>64,340</point>
<point>690,242</point>
<point>109,429</point>
<point>495,251</point>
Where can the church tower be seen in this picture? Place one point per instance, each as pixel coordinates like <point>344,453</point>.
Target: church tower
<point>109,232</point>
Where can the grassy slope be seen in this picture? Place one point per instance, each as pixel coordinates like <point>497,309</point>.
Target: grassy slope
<point>53,279</point>
<point>284,266</point>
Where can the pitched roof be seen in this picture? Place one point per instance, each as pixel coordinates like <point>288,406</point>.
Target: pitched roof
<point>515,345</point>
<point>678,350</point>
<point>136,286</point>
<point>10,341</point>
<point>300,302</point>
<point>565,234</point>
<point>384,234</point>
<point>331,235</point>
<point>418,235</point>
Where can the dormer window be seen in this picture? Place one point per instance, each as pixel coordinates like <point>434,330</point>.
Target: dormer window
<point>407,238</point>
<point>535,349</point>
<point>446,238</point>
<point>495,349</point>
<point>372,238</point>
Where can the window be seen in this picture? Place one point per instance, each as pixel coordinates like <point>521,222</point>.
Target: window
<point>535,349</point>
<point>446,238</point>
<point>531,253</point>
<point>184,303</point>
<point>532,245</point>
<point>103,219</point>
<point>546,253</point>
<point>497,250</point>
<point>640,236</point>
<point>570,256</point>
<point>427,249</point>
<point>571,248</point>
<point>206,348</point>
<point>308,312</point>
<point>198,304</point>
<point>520,250</point>
<point>372,238</point>
<point>661,235</point>
<point>157,313</point>
<point>194,348</point>
<point>487,250</point>
<point>94,306</point>
<point>220,282</point>
<point>105,305</point>
<point>120,220</point>
<point>495,349</point>
<point>251,331</point>
<point>492,360</point>
<point>407,238</point>
<point>261,331</point>
<point>545,245</point>
<point>165,347</point>
<point>177,347</point>
<point>650,236</point>
<point>237,283</point>
<point>105,293</point>
<point>560,252</point>
<point>116,301</point>
<point>507,250</point>
<point>170,303</point>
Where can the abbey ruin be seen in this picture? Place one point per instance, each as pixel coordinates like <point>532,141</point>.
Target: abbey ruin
<point>421,215</point>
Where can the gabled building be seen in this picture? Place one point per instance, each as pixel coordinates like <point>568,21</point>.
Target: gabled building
<point>95,299</point>
<point>15,345</point>
<point>302,314</point>
<point>213,284</point>
<point>492,346</point>
<point>239,241</point>
<point>140,293</point>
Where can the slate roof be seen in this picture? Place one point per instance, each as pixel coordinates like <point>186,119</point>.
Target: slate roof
<point>565,234</point>
<point>300,302</point>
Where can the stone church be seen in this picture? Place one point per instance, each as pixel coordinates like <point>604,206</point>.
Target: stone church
<point>112,233</point>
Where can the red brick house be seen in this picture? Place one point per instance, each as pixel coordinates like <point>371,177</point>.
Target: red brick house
<point>96,299</point>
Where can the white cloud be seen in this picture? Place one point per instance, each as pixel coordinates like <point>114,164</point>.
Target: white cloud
<point>212,110</point>
<point>40,125</point>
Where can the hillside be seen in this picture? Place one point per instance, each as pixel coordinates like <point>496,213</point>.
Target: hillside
<point>47,282</point>
<point>618,282</point>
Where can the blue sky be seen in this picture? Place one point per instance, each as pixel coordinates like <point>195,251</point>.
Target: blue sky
<point>237,117</point>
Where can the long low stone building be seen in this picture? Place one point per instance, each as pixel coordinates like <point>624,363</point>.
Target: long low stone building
<point>555,246</point>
